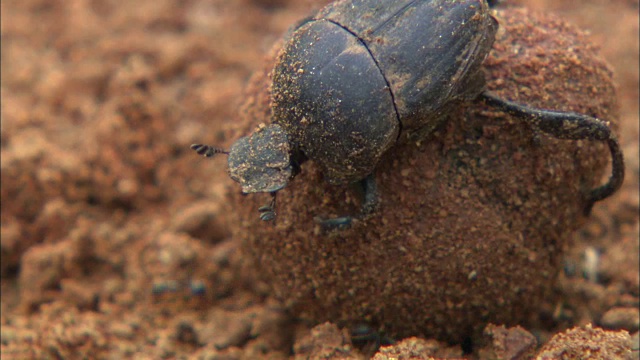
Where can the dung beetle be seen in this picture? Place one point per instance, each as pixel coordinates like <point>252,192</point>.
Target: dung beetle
<point>354,77</point>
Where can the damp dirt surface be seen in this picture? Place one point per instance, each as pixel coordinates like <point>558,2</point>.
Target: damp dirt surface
<point>117,241</point>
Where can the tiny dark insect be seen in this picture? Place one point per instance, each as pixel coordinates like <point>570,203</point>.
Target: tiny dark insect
<point>358,74</point>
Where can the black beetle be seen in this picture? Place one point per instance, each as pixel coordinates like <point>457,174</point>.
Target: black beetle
<point>357,75</point>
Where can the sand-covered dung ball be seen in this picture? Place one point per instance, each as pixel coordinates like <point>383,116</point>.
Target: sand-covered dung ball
<point>473,219</point>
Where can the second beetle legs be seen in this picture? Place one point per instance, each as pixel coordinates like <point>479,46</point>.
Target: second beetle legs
<point>370,204</point>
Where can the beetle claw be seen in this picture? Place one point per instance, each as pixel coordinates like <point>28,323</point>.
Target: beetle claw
<point>267,212</point>
<point>267,215</point>
<point>265,208</point>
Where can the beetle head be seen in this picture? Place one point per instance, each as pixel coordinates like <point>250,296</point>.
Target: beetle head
<point>261,162</point>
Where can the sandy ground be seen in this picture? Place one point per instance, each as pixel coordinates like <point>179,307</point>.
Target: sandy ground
<point>116,241</point>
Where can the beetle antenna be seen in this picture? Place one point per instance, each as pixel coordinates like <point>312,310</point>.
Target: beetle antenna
<point>208,151</point>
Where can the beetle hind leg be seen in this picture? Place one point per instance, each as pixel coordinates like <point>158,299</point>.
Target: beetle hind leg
<point>370,204</point>
<point>570,126</point>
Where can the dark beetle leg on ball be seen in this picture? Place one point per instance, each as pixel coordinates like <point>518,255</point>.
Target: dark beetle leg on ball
<point>369,205</point>
<point>570,126</point>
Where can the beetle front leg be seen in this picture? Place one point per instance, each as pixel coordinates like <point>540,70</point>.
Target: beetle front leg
<point>570,126</point>
<point>370,204</point>
<point>268,211</point>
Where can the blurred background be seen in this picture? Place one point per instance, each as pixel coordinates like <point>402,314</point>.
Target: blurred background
<point>113,243</point>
